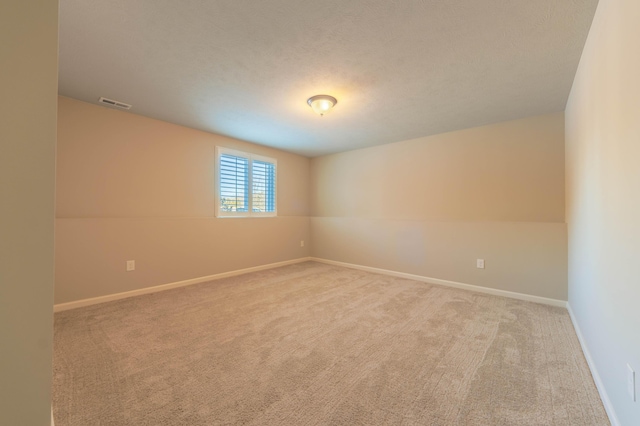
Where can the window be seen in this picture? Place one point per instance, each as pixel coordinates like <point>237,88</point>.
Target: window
<point>246,184</point>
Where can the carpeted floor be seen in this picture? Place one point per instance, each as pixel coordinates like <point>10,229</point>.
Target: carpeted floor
<point>313,344</point>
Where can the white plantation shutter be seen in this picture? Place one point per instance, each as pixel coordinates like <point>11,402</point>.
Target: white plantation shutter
<point>246,184</point>
<point>264,186</point>
<point>234,183</point>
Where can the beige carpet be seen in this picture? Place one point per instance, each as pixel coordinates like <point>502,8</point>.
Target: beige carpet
<point>313,344</point>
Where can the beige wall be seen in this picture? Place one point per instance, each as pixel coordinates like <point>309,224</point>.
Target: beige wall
<point>512,171</point>
<point>432,206</point>
<point>29,85</point>
<point>603,200</point>
<point>134,188</point>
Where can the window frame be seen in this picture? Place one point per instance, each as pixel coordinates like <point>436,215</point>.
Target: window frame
<point>220,150</point>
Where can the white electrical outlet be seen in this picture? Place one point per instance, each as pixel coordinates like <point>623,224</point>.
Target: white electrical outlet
<point>301,243</point>
<point>631,383</point>
<point>480,263</point>
<point>131,265</point>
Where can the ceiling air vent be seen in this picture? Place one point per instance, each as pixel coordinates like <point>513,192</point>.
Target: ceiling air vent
<point>113,103</point>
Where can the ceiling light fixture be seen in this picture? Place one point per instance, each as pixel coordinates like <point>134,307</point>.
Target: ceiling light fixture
<point>322,104</point>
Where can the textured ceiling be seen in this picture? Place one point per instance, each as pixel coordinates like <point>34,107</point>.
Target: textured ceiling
<point>400,69</point>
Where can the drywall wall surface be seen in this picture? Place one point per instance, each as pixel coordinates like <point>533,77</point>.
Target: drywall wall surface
<point>29,85</point>
<point>134,188</point>
<point>91,253</point>
<point>603,201</point>
<point>522,257</point>
<point>511,171</point>
<point>118,164</point>
<point>433,206</point>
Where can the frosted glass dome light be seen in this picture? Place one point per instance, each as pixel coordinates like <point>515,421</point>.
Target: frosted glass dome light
<point>322,104</point>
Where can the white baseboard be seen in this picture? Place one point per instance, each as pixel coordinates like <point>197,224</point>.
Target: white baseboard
<point>110,297</point>
<point>454,284</point>
<point>594,371</point>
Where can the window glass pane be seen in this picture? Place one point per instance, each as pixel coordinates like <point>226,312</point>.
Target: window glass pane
<point>234,183</point>
<point>264,186</point>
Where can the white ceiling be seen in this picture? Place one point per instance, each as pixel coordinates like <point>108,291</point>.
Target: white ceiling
<point>400,69</point>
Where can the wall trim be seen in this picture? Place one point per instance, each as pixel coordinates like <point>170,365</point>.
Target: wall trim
<point>154,289</point>
<point>454,284</point>
<point>162,287</point>
<point>608,406</point>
